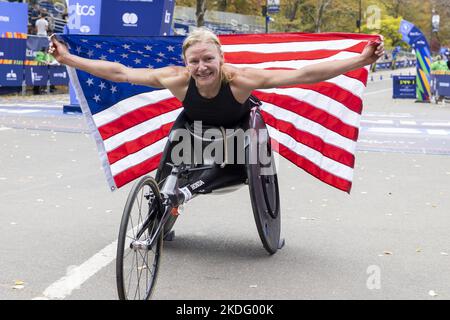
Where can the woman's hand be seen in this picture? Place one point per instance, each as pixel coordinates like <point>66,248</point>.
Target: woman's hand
<point>372,52</point>
<point>57,49</point>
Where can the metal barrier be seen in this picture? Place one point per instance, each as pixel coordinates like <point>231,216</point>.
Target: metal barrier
<point>440,85</point>
<point>19,67</point>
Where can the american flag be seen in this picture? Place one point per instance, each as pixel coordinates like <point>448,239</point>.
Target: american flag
<point>315,126</point>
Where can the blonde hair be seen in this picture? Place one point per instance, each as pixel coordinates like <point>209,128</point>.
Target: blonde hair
<point>203,34</point>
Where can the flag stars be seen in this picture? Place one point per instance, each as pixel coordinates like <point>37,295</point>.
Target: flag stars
<point>126,46</point>
<point>137,61</point>
<point>84,40</point>
<point>102,57</point>
<point>124,55</point>
<point>111,50</point>
<point>162,55</point>
<point>148,48</point>
<point>96,98</point>
<point>78,50</point>
<point>150,66</point>
<point>90,53</point>
<point>170,48</point>
<point>90,82</point>
<point>102,85</point>
<point>98,46</point>
<point>158,60</point>
<point>113,89</point>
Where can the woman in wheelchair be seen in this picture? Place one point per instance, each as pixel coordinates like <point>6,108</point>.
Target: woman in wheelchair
<point>212,91</point>
<point>218,95</point>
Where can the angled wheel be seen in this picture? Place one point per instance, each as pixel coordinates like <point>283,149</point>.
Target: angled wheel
<point>138,251</point>
<point>264,194</point>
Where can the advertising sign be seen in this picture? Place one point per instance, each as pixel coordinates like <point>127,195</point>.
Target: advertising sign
<point>12,49</point>
<point>84,16</point>
<point>11,75</point>
<point>137,18</point>
<point>36,76</point>
<point>12,56</point>
<point>416,39</point>
<point>13,17</point>
<point>404,87</point>
<point>441,84</point>
<point>273,6</point>
<point>58,75</point>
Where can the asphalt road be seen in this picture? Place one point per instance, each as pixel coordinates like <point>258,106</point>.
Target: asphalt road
<point>388,239</point>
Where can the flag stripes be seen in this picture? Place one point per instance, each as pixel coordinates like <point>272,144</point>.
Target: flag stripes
<point>315,126</point>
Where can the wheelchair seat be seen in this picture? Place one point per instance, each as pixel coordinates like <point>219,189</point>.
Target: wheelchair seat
<point>237,168</point>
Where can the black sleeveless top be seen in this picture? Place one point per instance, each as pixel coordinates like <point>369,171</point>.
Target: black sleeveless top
<point>222,110</point>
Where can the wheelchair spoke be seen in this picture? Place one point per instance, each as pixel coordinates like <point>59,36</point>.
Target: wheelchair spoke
<point>138,261</point>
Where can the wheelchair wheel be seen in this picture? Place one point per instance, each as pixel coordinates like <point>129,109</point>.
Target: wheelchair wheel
<point>265,199</point>
<point>138,258</point>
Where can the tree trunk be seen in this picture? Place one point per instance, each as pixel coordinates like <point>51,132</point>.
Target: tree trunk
<point>200,13</point>
<point>320,12</point>
<point>222,5</point>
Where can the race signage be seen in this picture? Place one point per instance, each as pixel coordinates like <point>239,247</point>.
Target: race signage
<point>13,17</point>
<point>404,87</point>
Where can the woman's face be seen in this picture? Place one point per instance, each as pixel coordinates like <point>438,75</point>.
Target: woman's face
<point>204,60</point>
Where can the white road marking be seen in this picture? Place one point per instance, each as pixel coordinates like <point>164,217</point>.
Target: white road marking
<point>77,275</point>
<point>438,132</point>
<point>16,111</point>
<point>408,122</point>
<point>394,130</point>
<point>388,115</point>
<point>378,121</point>
<point>436,124</point>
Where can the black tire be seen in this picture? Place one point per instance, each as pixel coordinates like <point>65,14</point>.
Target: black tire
<point>137,270</point>
<point>265,199</point>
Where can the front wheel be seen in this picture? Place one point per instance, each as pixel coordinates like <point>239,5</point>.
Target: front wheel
<point>138,251</point>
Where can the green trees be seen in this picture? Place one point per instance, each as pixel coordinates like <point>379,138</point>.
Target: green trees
<point>341,15</point>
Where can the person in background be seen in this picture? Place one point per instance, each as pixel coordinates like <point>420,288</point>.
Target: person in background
<point>439,64</point>
<point>41,26</point>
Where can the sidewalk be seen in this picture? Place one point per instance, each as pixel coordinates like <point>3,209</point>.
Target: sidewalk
<point>35,101</point>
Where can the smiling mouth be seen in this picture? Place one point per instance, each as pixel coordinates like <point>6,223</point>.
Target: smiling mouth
<point>204,76</point>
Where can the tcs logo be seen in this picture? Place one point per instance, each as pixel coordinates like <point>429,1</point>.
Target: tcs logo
<point>85,10</point>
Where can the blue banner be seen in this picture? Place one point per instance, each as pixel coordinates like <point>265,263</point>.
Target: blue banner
<point>35,44</point>
<point>58,75</point>
<point>137,18</point>
<point>404,87</point>
<point>36,75</point>
<point>12,58</point>
<point>441,85</point>
<point>416,39</point>
<point>13,17</point>
<point>11,75</point>
<point>12,49</point>
<point>84,16</point>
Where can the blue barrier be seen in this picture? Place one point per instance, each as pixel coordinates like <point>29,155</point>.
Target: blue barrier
<point>440,85</point>
<point>398,64</point>
<point>404,87</point>
<point>17,65</point>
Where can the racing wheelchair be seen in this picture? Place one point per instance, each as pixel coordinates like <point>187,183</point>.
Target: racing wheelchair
<point>152,206</point>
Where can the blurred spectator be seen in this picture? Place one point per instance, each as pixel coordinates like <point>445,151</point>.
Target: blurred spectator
<point>439,64</point>
<point>41,26</point>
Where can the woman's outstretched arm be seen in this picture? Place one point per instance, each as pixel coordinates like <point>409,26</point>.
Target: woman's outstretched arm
<point>264,79</point>
<point>113,71</point>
